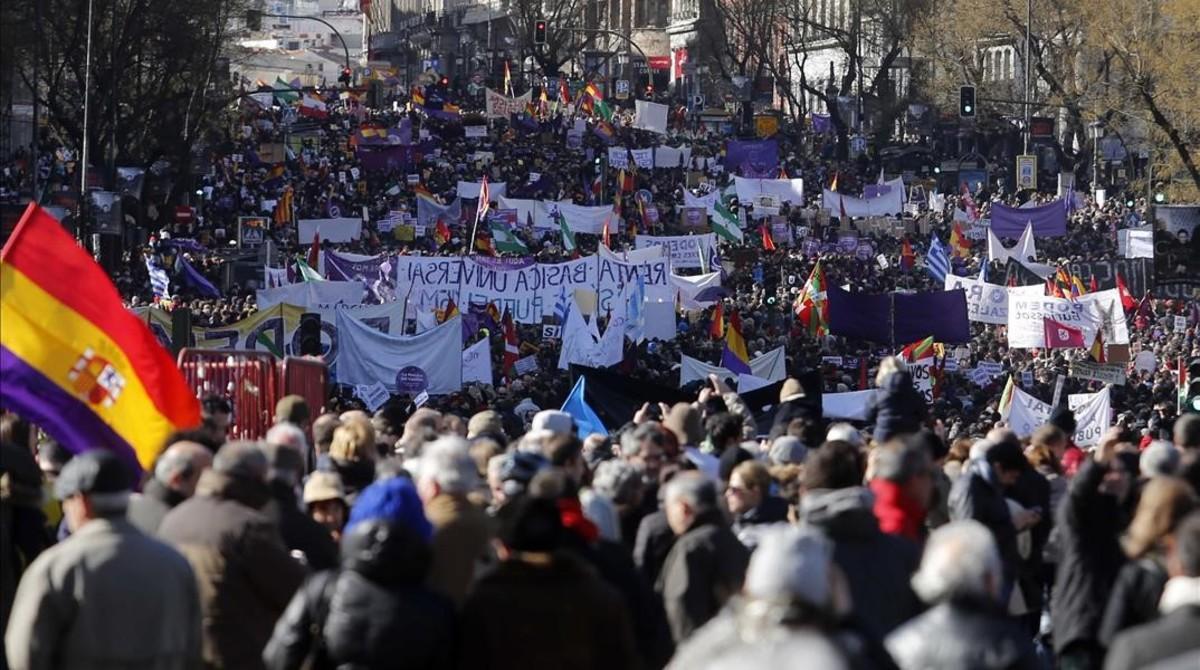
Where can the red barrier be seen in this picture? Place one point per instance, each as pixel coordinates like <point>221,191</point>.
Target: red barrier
<point>307,378</point>
<point>247,379</point>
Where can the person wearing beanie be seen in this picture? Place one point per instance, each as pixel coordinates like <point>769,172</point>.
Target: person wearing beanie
<point>540,607</point>
<point>487,423</point>
<point>109,595</point>
<point>375,607</point>
<point>245,574</point>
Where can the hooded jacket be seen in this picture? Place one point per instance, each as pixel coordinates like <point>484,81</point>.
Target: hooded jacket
<point>897,408</point>
<point>877,566</point>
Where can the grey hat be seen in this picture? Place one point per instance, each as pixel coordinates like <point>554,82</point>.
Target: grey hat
<point>1160,459</point>
<point>787,450</point>
<point>553,420</point>
<point>791,563</point>
<point>95,472</point>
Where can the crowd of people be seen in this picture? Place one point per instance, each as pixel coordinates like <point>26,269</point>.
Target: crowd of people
<point>484,530</point>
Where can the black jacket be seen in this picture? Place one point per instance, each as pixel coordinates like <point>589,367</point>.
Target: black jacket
<point>1134,599</point>
<point>975,497</point>
<point>1033,491</point>
<point>1089,523</point>
<point>653,543</point>
<point>750,524</point>
<point>877,565</point>
<point>1170,637</point>
<point>964,634</point>
<point>896,408</point>
<point>300,532</point>
<point>704,569</point>
<point>375,611</point>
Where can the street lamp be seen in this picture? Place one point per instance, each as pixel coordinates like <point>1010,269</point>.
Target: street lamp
<point>1097,129</point>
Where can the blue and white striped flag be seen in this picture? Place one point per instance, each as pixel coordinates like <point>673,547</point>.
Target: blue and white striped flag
<point>159,281</point>
<point>937,262</point>
<point>635,312</point>
<point>983,270</point>
<point>561,307</point>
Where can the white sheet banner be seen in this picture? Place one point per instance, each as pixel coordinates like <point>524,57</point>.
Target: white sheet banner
<point>1024,250</point>
<point>500,106</point>
<point>1093,415</point>
<point>529,292</point>
<point>650,116</point>
<point>709,202</point>
<point>1108,309</point>
<point>684,251</point>
<point>386,318</point>
<point>536,210</point>
<point>618,158</point>
<point>1134,243</point>
<point>477,363</point>
<point>688,288</point>
<point>275,277</point>
<point>581,219</point>
<point>1027,314</point>
<point>851,405</point>
<point>475,131</point>
<point>986,303</point>
<point>470,189</point>
<point>770,366</point>
<point>643,158</point>
<point>786,190</point>
<point>890,202</point>
<point>670,157</point>
<point>312,293</point>
<point>430,362</point>
<point>332,230</point>
<point>631,255</point>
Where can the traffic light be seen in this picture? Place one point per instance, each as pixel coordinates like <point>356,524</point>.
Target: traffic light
<point>253,20</point>
<point>1191,399</point>
<point>539,32</point>
<point>444,82</point>
<point>345,76</point>
<point>966,101</point>
<point>1160,193</point>
<point>310,334</point>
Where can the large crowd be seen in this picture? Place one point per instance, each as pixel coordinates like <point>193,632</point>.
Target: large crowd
<point>484,529</point>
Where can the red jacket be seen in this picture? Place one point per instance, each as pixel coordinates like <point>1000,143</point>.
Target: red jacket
<point>897,513</point>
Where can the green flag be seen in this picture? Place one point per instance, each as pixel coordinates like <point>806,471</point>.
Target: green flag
<point>725,224</point>
<point>567,235</point>
<point>603,110</point>
<point>504,240</point>
<point>284,92</point>
<point>306,271</point>
<point>267,344</point>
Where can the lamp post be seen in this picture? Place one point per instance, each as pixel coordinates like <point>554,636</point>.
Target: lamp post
<point>1097,129</point>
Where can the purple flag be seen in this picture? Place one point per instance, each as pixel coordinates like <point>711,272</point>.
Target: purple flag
<point>899,318</point>
<point>760,157</point>
<point>1049,220</point>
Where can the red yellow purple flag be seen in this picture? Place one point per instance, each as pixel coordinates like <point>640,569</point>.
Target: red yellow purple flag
<point>73,360</point>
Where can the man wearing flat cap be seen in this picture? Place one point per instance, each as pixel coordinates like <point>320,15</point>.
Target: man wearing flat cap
<point>109,595</point>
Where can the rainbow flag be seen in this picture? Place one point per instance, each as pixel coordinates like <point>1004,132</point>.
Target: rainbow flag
<point>734,357</point>
<point>73,360</point>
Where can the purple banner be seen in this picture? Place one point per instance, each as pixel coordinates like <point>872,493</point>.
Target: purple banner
<point>377,272</point>
<point>504,263</point>
<point>387,158</point>
<point>753,158</point>
<point>1048,220</point>
<point>899,318</point>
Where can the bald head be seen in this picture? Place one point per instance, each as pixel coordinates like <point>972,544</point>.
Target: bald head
<point>179,467</point>
<point>355,415</point>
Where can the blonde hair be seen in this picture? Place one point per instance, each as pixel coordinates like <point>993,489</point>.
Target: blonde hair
<point>353,441</point>
<point>888,367</point>
<point>1164,503</point>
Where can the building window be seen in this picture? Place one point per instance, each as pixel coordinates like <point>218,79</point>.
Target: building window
<point>1008,71</point>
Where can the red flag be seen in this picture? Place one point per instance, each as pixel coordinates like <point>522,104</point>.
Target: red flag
<point>1093,286</point>
<point>512,350</point>
<point>605,236</point>
<point>716,329</point>
<point>450,312</point>
<point>1061,336</point>
<point>314,252</point>
<point>1127,301</point>
<point>485,201</point>
<point>907,258</point>
<point>972,209</point>
<point>767,241</point>
<point>441,232</point>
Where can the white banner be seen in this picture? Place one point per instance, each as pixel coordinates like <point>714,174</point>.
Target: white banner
<point>1024,250</point>
<point>530,210</point>
<point>643,158</point>
<point>1093,415</point>
<point>786,190</point>
<point>581,219</point>
<point>650,116</point>
<point>986,303</point>
<point>631,255</point>
<point>1135,243</point>
<point>1107,306</point>
<point>309,294</point>
<point>500,106</point>
<point>684,251</point>
<point>331,230</point>
<point>1109,373</point>
<point>470,189</point>
<point>708,202</point>
<point>688,288</point>
<point>670,157</point>
<point>850,405</point>
<point>1027,315</point>
<point>430,362</point>
<point>771,366</point>
<point>477,363</point>
<point>475,131</point>
<point>275,277</point>
<point>618,158</point>
<point>529,292</point>
<point>922,378</point>
<point>891,202</point>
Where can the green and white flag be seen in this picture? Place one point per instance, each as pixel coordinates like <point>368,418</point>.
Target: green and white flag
<point>284,92</point>
<point>306,271</point>
<point>504,240</point>
<point>725,223</point>
<point>567,235</point>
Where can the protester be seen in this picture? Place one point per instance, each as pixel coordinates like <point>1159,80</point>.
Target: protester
<point>176,474</point>
<point>285,469</point>
<point>243,571</point>
<point>326,503</point>
<point>903,488</point>
<point>109,595</point>
<point>748,498</point>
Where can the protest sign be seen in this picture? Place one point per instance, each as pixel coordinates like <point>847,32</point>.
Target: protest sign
<point>529,291</point>
<point>684,251</point>
<point>1048,220</point>
<point>770,366</point>
<point>1109,373</point>
<point>1093,415</point>
<point>477,363</point>
<point>500,106</point>
<point>526,365</point>
<point>922,378</point>
<point>343,229</point>
<point>986,303</point>
<point>785,190</point>
<point>474,131</point>
<point>889,199</point>
<point>312,293</point>
<point>403,364</point>
<point>1027,316</point>
<point>373,395</point>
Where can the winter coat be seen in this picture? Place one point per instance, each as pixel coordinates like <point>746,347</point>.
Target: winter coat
<point>654,541</point>
<point>148,509</point>
<point>299,531</point>
<point>374,611</point>
<point>521,616</point>
<point>1089,523</point>
<point>962,634</point>
<point>877,566</point>
<point>1171,637</point>
<point>1134,599</point>
<point>705,567</point>
<point>1032,490</point>
<point>974,496</point>
<point>245,574</point>
<point>896,408</point>
<point>109,596</point>
<point>749,525</point>
<point>461,532</point>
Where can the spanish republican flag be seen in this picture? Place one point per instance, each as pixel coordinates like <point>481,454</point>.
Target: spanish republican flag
<point>73,360</point>
<point>959,244</point>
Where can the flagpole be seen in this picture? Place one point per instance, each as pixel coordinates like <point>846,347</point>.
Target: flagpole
<point>87,88</point>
